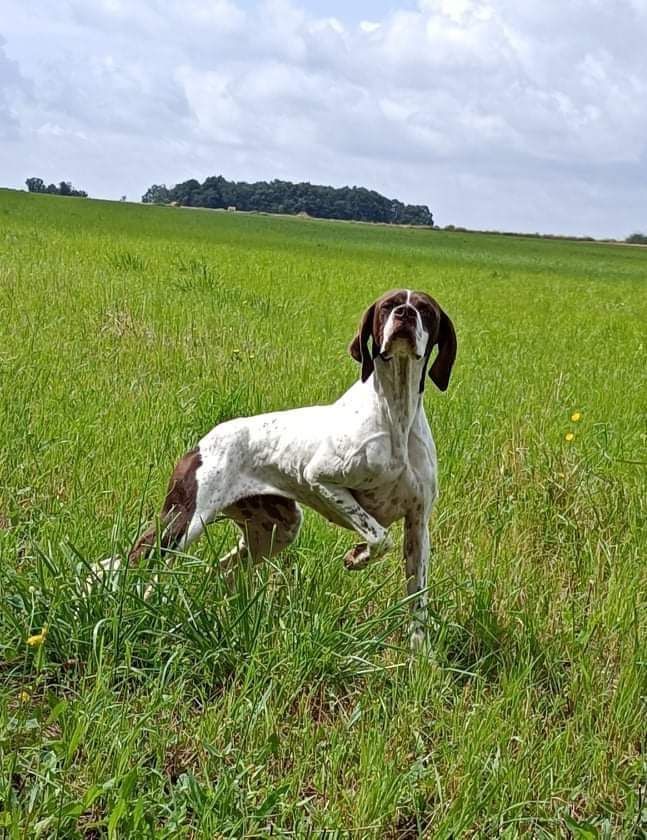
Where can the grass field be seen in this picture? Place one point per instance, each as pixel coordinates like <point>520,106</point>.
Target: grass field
<point>293,705</point>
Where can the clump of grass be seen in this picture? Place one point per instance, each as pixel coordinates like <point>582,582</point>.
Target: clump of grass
<point>127,261</point>
<point>120,323</point>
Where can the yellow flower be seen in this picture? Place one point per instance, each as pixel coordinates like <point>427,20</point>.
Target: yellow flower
<point>569,436</point>
<point>576,416</point>
<point>38,639</point>
<point>24,697</point>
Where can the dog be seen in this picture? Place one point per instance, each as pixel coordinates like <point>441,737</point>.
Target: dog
<point>362,462</point>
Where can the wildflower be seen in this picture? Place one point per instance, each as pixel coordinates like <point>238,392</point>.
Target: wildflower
<point>576,416</point>
<point>24,697</point>
<point>569,436</point>
<point>38,639</point>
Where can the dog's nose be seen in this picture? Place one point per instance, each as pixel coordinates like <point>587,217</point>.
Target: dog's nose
<point>406,312</point>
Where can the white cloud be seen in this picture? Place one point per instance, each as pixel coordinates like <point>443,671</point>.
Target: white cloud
<point>12,86</point>
<point>496,114</point>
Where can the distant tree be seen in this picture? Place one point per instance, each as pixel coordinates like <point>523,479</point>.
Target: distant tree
<point>637,239</point>
<point>187,193</point>
<point>36,185</point>
<point>157,194</point>
<point>285,197</point>
<point>64,188</point>
<point>210,193</point>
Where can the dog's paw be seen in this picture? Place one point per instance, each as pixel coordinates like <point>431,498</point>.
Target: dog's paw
<point>362,554</point>
<point>102,573</point>
<point>357,558</point>
<point>417,637</point>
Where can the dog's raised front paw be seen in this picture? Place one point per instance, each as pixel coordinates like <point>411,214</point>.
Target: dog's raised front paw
<point>362,554</point>
<point>357,558</point>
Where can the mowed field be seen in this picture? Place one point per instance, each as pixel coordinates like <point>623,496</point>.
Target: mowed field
<point>292,705</point>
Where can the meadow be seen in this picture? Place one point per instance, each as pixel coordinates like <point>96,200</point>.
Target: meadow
<point>292,706</point>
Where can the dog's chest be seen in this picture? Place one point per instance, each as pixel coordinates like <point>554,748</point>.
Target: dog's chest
<point>389,479</point>
<point>390,500</point>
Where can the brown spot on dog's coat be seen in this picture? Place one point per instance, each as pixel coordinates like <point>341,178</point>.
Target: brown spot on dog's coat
<point>279,508</point>
<point>178,509</point>
<point>268,522</point>
<point>272,509</point>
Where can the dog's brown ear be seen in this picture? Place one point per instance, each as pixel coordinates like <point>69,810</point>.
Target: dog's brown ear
<point>441,369</point>
<point>359,348</point>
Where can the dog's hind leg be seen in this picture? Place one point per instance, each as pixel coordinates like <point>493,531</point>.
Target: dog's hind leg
<point>198,492</point>
<point>269,523</point>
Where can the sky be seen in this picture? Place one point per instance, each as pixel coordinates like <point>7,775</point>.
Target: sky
<point>497,114</point>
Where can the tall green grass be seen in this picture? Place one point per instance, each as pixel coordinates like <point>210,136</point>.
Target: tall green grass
<point>292,704</point>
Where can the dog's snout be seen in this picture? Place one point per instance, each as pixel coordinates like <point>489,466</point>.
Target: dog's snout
<point>406,312</point>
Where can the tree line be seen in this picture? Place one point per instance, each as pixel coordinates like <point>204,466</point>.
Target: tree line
<point>351,203</point>
<point>37,185</point>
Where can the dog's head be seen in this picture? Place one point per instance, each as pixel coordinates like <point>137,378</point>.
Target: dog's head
<point>406,323</point>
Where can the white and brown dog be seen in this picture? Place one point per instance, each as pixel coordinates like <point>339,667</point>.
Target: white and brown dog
<point>363,462</point>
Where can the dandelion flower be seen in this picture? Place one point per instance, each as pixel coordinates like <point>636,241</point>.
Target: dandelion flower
<point>576,416</point>
<point>38,639</point>
<point>24,697</point>
<point>569,436</point>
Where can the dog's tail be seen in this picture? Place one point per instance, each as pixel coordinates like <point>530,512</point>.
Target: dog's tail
<point>177,511</point>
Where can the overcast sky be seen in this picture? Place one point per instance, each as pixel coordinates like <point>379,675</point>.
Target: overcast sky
<point>527,116</point>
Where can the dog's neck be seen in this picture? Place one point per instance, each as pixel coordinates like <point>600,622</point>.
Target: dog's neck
<point>396,383</point>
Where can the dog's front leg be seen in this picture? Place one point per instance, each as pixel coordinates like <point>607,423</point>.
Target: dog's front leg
<point>416,560</point>
<point>344,507</point>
